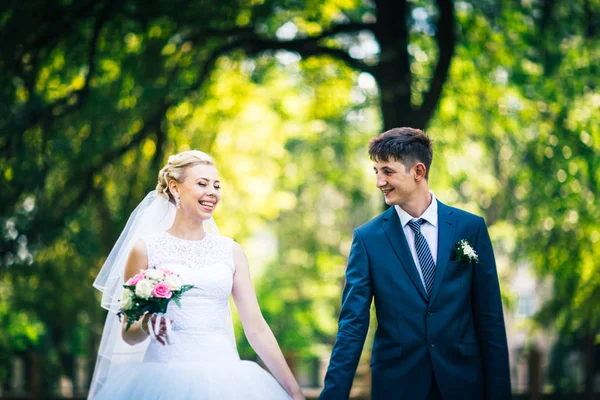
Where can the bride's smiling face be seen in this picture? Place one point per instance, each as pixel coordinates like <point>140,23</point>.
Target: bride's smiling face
<point>199,192</point>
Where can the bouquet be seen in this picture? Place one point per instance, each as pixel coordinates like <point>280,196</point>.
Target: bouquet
<point>150,291</point>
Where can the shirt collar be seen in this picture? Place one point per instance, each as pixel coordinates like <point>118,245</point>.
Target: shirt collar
<point>430,215</point>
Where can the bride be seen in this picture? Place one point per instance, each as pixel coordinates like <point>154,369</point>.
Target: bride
<point>197,358</point>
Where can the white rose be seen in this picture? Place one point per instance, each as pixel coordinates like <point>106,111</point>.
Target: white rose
<point>126,299</point>
<point>154,274</point>
<point>468,251</point>
<point>173,282</point>
<point>144,288</point>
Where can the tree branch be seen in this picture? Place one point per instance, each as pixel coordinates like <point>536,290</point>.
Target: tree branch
<point>348,27</point>
<point>250,31</point>
<point>248,40</point>
<point>106,13</point>
<point>55,26</point>
<point>446,39</point>
<point>83,187</point>
<point>306,47</point>
<point>81,94</point>
<point>591,22</point>
<point>33,112</point>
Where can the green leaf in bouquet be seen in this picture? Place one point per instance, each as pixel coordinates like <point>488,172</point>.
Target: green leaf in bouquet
<point>176,300</point>
<point>184,288</point>
<point>130,322</point>
<point>131,317</point>
<point>162,305</point>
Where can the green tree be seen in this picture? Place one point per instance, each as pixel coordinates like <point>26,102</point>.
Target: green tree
<point>285,94</point>
<point>97,93</point>
<point>521,109</point>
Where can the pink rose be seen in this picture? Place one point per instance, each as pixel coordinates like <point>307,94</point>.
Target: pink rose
<point>166,271</point>
<point>161,291</point>
<point>135,279</point>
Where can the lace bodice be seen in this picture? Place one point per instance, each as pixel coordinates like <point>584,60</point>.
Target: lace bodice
<point>202,326</point>
<point>165,248</point>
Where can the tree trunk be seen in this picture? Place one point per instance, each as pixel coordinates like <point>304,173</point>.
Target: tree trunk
<point>588,365</point>
<point>534,361</point>
<point>393,71</point>
<point>35,381</point>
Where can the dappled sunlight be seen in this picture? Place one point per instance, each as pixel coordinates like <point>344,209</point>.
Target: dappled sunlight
<point>285,97</point>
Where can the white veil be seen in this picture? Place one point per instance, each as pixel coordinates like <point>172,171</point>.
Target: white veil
<point>154,214</point>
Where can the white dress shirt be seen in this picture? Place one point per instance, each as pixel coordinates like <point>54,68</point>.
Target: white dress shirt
<point>429,229</point>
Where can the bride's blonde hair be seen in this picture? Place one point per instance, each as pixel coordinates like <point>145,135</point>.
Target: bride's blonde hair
<point>175,170</point>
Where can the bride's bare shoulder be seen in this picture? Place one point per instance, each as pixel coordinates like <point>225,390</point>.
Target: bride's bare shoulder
<point>137,260</point>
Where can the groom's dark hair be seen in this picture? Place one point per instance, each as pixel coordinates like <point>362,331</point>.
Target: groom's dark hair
<point>406,145</point>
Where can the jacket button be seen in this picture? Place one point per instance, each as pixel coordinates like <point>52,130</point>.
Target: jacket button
<point>432,345</point>
<point>429,312</point>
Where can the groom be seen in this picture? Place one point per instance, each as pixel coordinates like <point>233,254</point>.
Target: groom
<point>440,331</point>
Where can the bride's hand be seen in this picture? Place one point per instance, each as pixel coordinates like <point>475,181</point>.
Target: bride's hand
<point>298,396</point>
<point>162,333</point>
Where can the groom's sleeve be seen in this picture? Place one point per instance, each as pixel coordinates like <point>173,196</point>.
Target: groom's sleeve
<point>353,324</point>
<point>489,320</point>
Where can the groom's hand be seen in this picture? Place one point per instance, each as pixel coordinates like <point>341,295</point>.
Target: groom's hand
<point>352,326</point>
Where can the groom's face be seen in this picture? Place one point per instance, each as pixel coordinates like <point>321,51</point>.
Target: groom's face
<point>395,180</point>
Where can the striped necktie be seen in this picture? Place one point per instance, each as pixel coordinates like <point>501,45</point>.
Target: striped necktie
<point>423,254</point>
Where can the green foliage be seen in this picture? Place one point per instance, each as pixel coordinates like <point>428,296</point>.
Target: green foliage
<point>95,95</point>
<point>94,102</point>
<point>22,329</point>
<point>521,109</point>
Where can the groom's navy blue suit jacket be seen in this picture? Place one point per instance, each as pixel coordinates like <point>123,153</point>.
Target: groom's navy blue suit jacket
<point>456,335</point>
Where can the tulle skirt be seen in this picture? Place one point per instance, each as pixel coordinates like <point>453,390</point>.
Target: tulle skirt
<point>202,381</point>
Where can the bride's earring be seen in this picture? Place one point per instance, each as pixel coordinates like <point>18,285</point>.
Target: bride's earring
<point>177,202</point>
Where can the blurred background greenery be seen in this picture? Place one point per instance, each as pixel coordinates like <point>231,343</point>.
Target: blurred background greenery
<point>285,94</point>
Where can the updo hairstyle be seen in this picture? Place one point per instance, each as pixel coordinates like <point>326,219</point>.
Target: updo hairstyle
<point>175,170</point>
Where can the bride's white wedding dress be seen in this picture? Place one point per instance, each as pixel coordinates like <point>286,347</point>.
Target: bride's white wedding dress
<point>202,362</point>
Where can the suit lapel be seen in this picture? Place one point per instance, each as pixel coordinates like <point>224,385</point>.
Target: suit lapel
<point>446,230</point>
<point>395,234</point>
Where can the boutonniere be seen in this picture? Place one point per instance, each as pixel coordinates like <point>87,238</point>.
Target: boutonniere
<point>465,252</point>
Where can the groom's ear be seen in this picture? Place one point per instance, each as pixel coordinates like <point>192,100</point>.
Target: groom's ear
<point>420,171</point>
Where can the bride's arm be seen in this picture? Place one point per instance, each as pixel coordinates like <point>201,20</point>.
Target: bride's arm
<point>256,329</point>
<point>137,260</point>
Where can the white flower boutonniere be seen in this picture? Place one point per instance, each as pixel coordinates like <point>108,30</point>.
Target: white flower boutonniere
<point>465,252</point>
